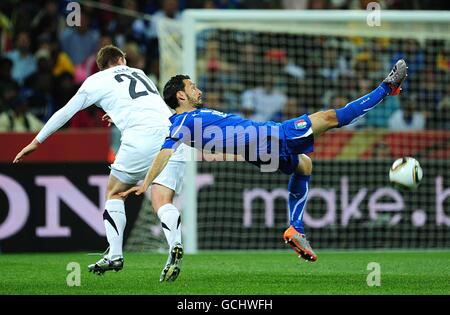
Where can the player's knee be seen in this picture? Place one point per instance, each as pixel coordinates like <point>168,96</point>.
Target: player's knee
<point>158,201</point>
<point>160,196</point>
<point>330,118</point>
<point>323,121</point>
<point>305,165</point>
<point>111,196</point>
<point>114,194</point>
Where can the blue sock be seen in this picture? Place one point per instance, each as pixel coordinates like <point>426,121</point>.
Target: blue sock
<point>350,112</point>
<point>298,195</point>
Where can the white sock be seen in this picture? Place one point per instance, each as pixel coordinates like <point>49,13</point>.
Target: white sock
<point>170,219</point>
<point>115,220</point>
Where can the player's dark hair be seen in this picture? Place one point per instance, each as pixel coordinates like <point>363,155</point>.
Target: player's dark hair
<point>171,88</point>
<point>108,55</point>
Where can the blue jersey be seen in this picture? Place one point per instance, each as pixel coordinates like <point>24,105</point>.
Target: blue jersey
<point>216,132</point>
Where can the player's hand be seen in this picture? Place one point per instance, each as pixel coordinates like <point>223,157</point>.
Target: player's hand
<point>108,119</point>
<point>27,150</point>
<point>138,190</point>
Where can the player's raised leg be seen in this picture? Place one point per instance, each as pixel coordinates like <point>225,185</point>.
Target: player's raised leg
<point>298,195</point>
<point>391,85</point>
<point>320,123</point>
<point>169,215</point>
<point>115,220</point>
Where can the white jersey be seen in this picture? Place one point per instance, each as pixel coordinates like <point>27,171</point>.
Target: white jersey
<point>125,94</point>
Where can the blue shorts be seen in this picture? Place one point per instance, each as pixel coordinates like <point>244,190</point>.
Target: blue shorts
<point>288,164</point>
<point>298,139</point>
<point>298,136</point>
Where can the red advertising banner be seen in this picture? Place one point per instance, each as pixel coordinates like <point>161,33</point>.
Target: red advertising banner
<point>86,145</point>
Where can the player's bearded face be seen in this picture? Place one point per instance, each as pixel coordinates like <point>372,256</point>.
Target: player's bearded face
<point>193,94</point>
<point>196,100</point>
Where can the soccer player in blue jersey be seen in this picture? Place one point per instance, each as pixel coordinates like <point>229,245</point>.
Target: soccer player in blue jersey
<point>259,143</point>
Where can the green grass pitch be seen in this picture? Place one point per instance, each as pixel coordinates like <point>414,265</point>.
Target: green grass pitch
<point>231,273</point>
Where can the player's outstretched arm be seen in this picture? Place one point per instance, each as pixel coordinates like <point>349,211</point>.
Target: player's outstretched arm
<point>78,102</point>
<point>27,150</point>
<point>157,166</point>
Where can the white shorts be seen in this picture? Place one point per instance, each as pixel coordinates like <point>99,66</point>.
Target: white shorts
<point>135,156</point>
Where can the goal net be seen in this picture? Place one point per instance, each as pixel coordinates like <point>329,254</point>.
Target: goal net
<point>276,65</point>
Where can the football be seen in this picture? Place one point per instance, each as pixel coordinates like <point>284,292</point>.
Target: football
<point>406,173</point>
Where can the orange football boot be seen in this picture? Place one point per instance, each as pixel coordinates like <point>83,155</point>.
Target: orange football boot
<point>396,77</point>
<point>299,244</point>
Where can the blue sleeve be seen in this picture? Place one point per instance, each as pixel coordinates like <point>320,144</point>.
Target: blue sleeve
<point>177,133</point>
<point>171,143</point>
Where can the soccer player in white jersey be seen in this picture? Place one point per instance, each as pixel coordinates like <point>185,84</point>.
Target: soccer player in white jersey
<point>134,104</point>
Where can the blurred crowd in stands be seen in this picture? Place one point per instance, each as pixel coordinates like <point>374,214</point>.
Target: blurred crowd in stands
<point>43,62</point>
<point>277,76</point>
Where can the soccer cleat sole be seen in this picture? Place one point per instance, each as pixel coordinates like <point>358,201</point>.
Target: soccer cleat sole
<point>308,256</point>
<point>172,273</point>
<point>100,272</point>
<point>396,89</point>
